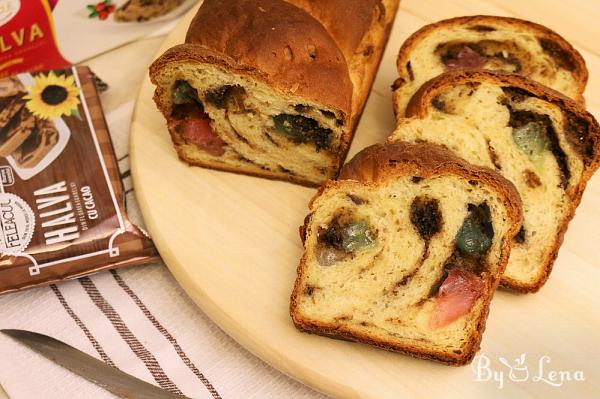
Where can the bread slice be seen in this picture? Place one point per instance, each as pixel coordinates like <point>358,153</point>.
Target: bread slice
<point>272,88</point>
<point>489,42</point>
<point>404,252</point>
<point>543,142</point>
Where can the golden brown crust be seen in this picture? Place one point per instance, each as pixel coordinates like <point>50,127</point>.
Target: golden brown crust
<point>580,71</point>
<point>365,64</point>
<point>335,15</point>
<point>278,43</point>
<point>333,330</point>
<point>420,105</point>
<point>232,48</point>
<point>380,162</point>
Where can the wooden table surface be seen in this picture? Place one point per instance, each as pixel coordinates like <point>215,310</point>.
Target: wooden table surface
<point>576,20</point>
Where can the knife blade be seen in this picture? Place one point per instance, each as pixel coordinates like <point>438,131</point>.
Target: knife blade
<point>112,379</point>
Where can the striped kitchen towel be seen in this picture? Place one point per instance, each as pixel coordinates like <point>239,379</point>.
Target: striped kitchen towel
<point>140,321</point>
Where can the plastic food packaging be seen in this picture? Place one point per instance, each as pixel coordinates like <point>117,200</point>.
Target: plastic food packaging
<point>62,212</point>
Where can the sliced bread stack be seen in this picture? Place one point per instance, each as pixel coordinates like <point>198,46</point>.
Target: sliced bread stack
<point>507,94</point>
<point>543,142</point>
<point>485,168</point>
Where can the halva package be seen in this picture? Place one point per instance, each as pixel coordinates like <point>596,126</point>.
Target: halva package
<point>61,199</point>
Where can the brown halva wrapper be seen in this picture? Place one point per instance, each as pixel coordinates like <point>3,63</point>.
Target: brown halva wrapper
<point>62,209</point>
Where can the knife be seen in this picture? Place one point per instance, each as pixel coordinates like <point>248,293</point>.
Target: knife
<point>112,379</point>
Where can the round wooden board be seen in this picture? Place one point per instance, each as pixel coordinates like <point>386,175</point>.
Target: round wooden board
<point>232,243</point>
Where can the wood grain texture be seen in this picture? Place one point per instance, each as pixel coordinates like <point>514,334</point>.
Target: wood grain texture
<point>232,242</point>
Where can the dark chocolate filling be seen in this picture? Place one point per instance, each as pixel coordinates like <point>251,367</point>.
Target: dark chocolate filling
<point>463,56</point>
<point>438,104</point>
<point>301,108</point>
<point>516,94</point>
<point>521,118</point>
<point>410,71</point>
<point>520,237</point>
<point>10,112</point>
<point>531,178</point>
<point>328,114</point>
<point>577,130</point>
<point>561,56</point>
<point>332,235</point>
<point>310,290</point>
<point>284,170</point>
<point>426,217</point>
<point>219,97</point>
<point>397,84</point>
<point>301,129</point>
<point>481,28</point>
<point>475,265</point>
<point>356,199</point>
<point>406,278</point>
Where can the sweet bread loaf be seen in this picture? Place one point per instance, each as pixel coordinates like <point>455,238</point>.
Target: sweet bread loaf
<point>272,88</point>
<point>405,251</point>
<point>489,42</point>
<point>543,142</point>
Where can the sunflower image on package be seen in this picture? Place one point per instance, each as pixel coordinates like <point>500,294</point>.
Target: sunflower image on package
<point>62,211</point>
